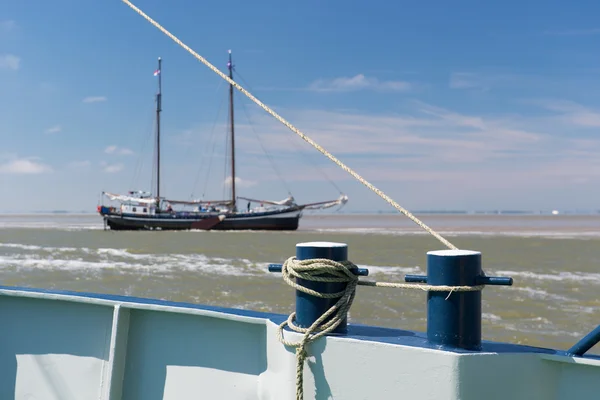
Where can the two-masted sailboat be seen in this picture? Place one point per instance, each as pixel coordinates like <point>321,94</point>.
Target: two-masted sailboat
<point>139,210</point>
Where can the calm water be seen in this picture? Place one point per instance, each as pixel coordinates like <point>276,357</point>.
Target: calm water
<point>554,260</point>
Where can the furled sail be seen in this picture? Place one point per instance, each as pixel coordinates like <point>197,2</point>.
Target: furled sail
<point>200,202</point>
<point>124,198</point>
<point>343,199</point>
<point>285,202</point>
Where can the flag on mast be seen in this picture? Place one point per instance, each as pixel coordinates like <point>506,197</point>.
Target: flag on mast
<point>157,72</point>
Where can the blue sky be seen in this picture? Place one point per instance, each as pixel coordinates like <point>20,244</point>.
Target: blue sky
<point>462,105</point>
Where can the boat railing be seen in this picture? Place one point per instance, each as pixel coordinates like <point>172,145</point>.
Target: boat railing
<point>586,343</point>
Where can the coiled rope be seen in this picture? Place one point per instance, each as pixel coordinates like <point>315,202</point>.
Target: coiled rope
<point>338,272</point>
<point>294,129</point>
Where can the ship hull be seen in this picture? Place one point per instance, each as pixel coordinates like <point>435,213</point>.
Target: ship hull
<point>286,220</point>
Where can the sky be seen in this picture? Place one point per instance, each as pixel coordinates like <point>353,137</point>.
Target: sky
<point>443,105</point>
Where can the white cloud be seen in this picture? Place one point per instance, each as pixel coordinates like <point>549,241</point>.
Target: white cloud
<point>426,143</point>
<point>488,128</point>
<point>7,25</point>
<point>422,155</point>
<point>111,168</point>
<point>239,182</point>
<point>430,133</point>
<point>571,113</point>
<point>94,99</point>
<point>54,129</point>
<point>28,166</point>
<point>358,82</point>
<point>122,151</point>
<point>9,61</point>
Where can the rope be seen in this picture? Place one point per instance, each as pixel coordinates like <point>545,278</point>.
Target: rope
<point>311,270</point>
<point>324,270</point>
<point>294,129</point>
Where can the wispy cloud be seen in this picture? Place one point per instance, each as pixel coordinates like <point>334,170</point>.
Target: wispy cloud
<point>239,182</point>
<point>441,133</point>
<point>94,99</point>
<point>465,80</point>
<point>24,166</point>
<point>54,129</point>
<point>358,82</point>
<point>111,168</point>
<point>574,32</point>
<point>7,25</point>
<point>571,113</point>
<point>122,151</point>
<point>433,144</point>
<point>479,81</point>
<point>10,61</point>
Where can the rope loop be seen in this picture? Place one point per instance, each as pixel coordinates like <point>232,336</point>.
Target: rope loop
<point>317,270</point>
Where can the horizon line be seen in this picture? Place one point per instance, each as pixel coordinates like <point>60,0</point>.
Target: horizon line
<point>492,211</point>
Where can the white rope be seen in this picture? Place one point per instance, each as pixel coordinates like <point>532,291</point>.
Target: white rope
<point>295,130</point>
<point>311,270</point>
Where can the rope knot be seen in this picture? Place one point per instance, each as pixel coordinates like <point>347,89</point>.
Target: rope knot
<point>317,270</point>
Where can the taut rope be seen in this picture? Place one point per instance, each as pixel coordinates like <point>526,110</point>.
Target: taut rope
<point>313,270</point>
<point>294,129</point>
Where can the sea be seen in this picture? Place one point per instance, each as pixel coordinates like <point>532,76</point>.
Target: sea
<point>553,259</point>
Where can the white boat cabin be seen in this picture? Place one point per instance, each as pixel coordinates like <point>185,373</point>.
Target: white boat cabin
<point>138,209</point>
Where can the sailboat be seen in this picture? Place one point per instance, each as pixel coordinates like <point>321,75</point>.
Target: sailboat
<point>142,210</point>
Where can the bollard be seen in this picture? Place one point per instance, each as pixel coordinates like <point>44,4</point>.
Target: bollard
<point>454,320</point>
<point>310,308</point>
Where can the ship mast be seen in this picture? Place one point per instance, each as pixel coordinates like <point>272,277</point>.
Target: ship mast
<point>233,197</point>
<point>158,110</point>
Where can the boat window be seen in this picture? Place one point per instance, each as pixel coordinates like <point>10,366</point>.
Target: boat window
<point>134,209</point>
<point>145,210</point>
